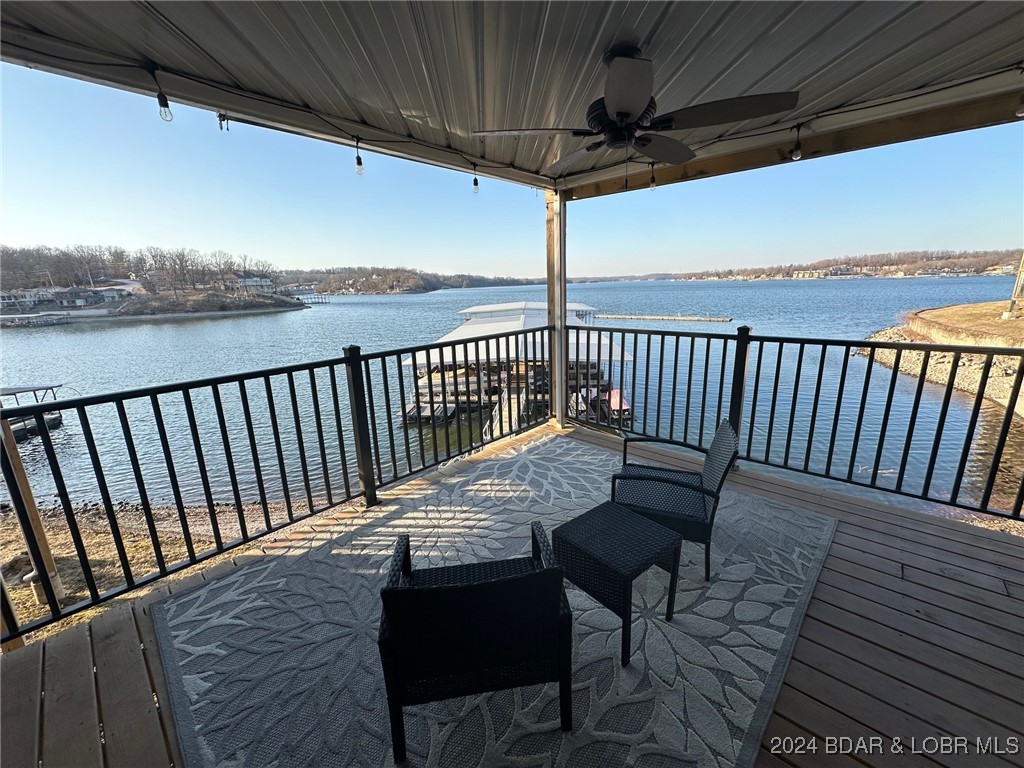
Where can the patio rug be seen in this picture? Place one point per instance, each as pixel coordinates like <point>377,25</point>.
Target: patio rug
<point>276,664</point>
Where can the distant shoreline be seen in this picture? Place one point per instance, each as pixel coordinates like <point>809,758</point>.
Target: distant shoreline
<point>216,314</point>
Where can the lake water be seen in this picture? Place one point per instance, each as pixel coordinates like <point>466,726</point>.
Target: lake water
<point>101,357</point>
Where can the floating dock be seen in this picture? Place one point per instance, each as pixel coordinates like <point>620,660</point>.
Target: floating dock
<point>677,318</point>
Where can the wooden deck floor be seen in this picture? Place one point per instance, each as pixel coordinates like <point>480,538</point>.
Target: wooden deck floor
<point>915,631</point>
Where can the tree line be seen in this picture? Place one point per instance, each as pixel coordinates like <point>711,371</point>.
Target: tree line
<point>176,269</point>
<point>908,262</point>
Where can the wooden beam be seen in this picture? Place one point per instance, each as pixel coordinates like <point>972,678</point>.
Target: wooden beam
<point>10,446</point>
<point>969,115</point>
<point>557,368</point>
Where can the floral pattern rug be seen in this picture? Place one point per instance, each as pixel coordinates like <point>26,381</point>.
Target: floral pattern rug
<point>276,664</point>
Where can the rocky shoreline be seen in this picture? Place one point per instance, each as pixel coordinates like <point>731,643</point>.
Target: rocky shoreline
<point>997,387</point>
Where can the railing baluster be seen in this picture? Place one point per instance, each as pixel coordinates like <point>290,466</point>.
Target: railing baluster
<point>860,413</point>
<point>480,387</point>
<point>276,430</point>
<point>441,367</point>
<point>661,384</point>
<point>386,386</point>
<point>1019,501</point>
<point>1004,431</point>
<point>140,483</point>
<point>647,379</point>
<point>771,413</point>
<point>430,400</point>
<point>636,344</point>
<point>303,465</point>
<point>65,503</point>
<point>840,393</point>
<point>405,413</point>
<point>622,375</point>
<point>675,386</point>
<point>229,460</point>
<point>971,425</point>
<point>457,404</point>
<point>883,430</point>
<point>704,390</point>
<point>468,405</point>
<point>814,405</point>
<point>954,368</point>
<point>508,386</point>
<point>371,412</point>
<point>419,410</point>
<point>203,474</point>
<point>753,399</point>
<point>250,432</point>
<point>340,432</point>
<point>689,391</point>
<point>721,384</point>
<point>793,402</point>
<point>108,506</point>
<point>922,377</point>
<point>315,394</point>
<point>172,476</point>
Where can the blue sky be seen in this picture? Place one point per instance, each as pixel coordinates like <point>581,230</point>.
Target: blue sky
<point>82,163</point>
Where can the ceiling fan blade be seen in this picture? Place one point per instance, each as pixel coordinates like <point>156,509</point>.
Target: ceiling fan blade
<point>537,132</point>
<point>663,149</point>
<point>628,89</point>
<point>726,111</point>
<point>558,167</point>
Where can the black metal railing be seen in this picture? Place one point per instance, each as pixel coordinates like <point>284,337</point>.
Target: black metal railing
<point>928,421</point>
<point>141,484</point>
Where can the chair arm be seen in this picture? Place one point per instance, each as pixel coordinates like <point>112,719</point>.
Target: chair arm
<point>543,555</point>
<point>644,439</point>
<point>663,480</point>
<point>401,564</point>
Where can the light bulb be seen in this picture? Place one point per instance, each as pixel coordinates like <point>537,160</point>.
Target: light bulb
<point>795,153</point>
<point>1020,108</point>
<point>359,165</point>
<point>654,184</point>
<point>165,107</point>
<point>476,186</point>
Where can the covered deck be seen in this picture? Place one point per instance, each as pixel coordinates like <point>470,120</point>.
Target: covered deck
<point>914,630</point>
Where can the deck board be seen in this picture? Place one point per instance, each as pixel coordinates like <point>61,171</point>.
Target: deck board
<point>21,683</point>
<point>71,734</point>
<point>131,726</point>
<point>916,627</point>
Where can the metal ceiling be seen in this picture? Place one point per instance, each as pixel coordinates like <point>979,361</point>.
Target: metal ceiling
<point>416,79</point>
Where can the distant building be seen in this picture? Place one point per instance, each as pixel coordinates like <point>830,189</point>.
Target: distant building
<point>249,282</point>
<point>7,300</point>
<point>78,297</point>
<point>30,297</point>
<point>114,293</point>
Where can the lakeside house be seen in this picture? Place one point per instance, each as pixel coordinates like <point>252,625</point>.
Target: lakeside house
<point>249,282</point>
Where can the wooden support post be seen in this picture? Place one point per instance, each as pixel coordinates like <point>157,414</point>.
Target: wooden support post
<point>558,369</point>
<point>10,448</point>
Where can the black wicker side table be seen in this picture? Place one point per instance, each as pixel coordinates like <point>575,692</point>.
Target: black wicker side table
<point>605,548</point>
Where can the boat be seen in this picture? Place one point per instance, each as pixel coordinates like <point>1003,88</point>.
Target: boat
<point>25,427</point>
<point>467,374</point>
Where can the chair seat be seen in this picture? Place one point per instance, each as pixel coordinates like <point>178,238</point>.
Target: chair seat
<point>685,502</point>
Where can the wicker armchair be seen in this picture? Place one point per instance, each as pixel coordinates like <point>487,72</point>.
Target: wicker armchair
<point>466,629</point>
<point>683,501</point>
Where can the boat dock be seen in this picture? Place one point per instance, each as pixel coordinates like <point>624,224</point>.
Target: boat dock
<point>677,318</point>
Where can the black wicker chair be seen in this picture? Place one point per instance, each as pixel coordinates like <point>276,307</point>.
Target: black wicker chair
<point>466,629</point>
<point>683,501</point>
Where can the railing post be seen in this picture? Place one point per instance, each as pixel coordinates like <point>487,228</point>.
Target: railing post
<point>739,378</point>
<point>360,424</point>
<point>555,202</point>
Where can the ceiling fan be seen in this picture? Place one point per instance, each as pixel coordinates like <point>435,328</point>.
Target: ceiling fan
<point>627,115</point>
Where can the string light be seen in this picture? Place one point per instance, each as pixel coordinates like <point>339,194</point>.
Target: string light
<point>795,153</point>
<point>654,184</point>
<point>476,181</point>
<point>165,107</point>
<point>223,121</point>
<point>359,160</point>
<point>1020,108</point>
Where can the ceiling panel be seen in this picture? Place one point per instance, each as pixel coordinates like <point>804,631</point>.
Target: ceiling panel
<point>417,79</point>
